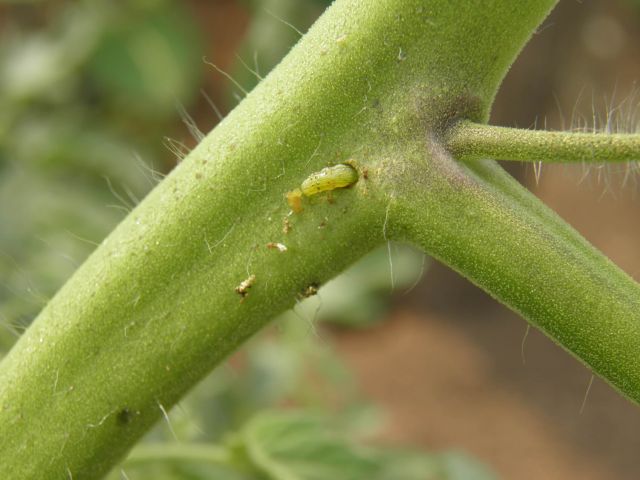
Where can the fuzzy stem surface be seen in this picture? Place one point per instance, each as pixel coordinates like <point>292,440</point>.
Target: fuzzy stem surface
<point>469,141</point>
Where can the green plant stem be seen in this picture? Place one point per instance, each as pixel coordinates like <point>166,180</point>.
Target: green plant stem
<point>470,141</point>
<point>157,306</point>
<point>540,267</point>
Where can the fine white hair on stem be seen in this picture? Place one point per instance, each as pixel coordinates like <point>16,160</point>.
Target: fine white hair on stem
<point>290,25</point>
<point>152,175</point>
<point>189,122</point>
<point>82,239</point>
<point>167,419</point>
<point>315,152</point>
<point>310,321</point>
<point>612,115</point>
<point>131,195</point>
<point>522,344</point>
<point>250,258</point>
<point>211,247</point>
<point>72,261</point>
<point>537,166</point>
<point>55,382</point>
<point>249,69</point>
<point>419,276</point>
<point>537,171</point>
<point>586,393</point>
<point>179,149</point>
<point>282,170</point>
<point>128,207</point>
<point>229,77</point>
<point>212,105</point>
<point>16,266</point>
<point>190,419</point>
<point>556,100</point>
<point>12,328</point>
<point>101,421</point>
<point>256,65</point>
<point>34,296</point>
<point>384,235</point>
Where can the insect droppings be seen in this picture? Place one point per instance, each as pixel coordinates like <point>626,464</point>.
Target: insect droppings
<point>277,246</point>
<point>310,290</point>
<point>329,178</point>
<point>286,226</point>
<point>294,199</point>
<point>245,285</point>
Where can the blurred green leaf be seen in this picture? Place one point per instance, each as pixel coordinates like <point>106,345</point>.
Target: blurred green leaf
<point>307,446</point>
<point>298,445</point>
<point>459,466</point>
<point>178,461</point>
<point>41,65</point>
<point>150,60</point>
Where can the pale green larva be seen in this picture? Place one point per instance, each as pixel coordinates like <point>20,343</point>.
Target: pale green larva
<point>329,178</point>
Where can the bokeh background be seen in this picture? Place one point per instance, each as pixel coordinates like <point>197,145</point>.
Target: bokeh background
<point>100,99</point>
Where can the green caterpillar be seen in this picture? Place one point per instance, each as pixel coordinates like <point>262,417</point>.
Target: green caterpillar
<point>329,178</point>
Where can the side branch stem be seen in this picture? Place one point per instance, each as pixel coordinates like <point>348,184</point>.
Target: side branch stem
<point>504,240</point>
<point>469,141</point>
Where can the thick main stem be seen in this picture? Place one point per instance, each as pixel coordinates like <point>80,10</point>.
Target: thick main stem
<point>161,300</point>
<point>469,141</point>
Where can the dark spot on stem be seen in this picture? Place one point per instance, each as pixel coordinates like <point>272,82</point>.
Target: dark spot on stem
<point>125,416</point>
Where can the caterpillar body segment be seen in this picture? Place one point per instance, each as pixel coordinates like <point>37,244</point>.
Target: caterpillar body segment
<point>329,178</point>
<point>342,175</point>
